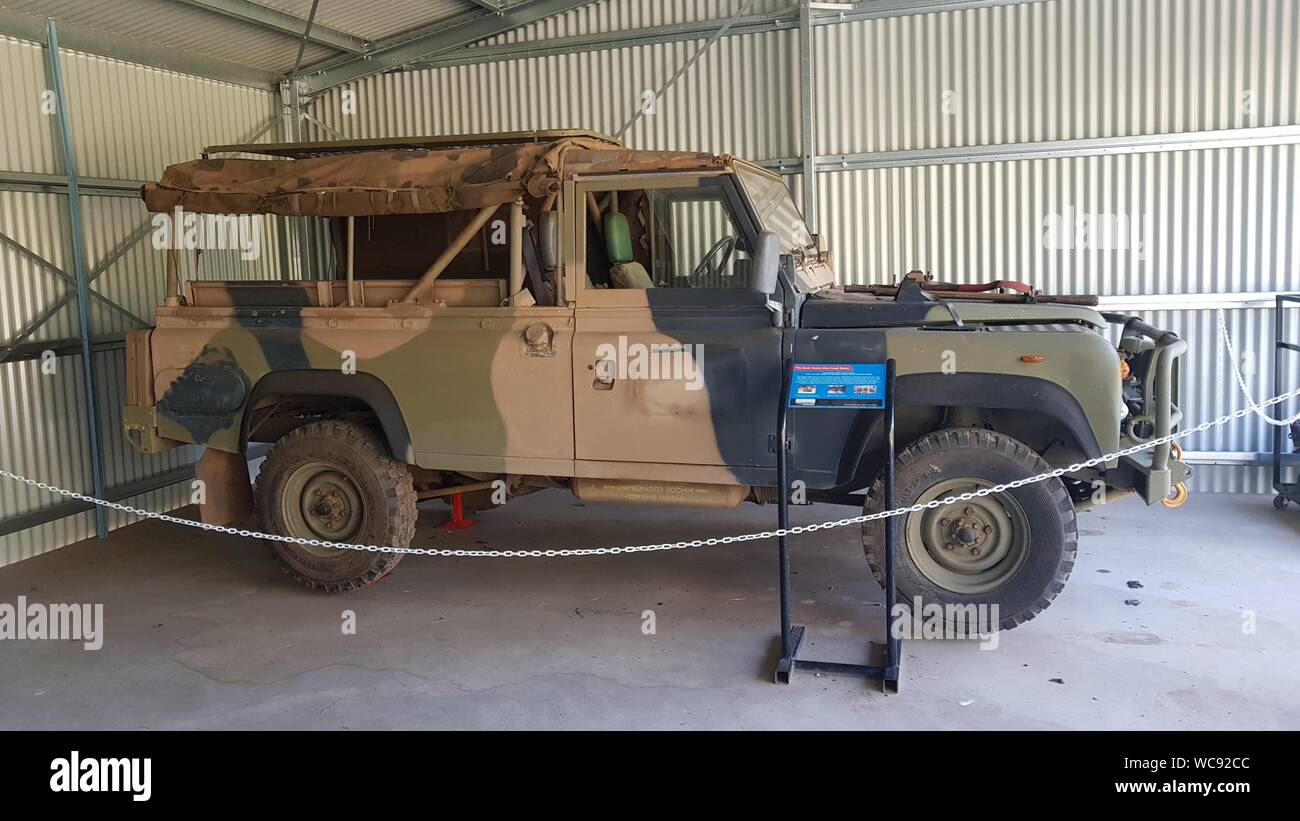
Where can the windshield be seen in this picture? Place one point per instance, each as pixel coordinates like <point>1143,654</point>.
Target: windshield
<point>775,209</point>
<point>777,213</point>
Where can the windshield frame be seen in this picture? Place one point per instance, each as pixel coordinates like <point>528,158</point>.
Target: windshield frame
<point>811,270</point>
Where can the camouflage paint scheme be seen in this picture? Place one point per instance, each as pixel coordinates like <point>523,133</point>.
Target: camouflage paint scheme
<point>478,397</point>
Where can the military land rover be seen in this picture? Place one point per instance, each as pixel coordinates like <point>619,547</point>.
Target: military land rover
<point>516,312</point>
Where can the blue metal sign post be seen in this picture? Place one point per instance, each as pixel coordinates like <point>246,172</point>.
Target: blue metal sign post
<point>854,386</point>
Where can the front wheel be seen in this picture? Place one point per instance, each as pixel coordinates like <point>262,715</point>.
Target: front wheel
<point>1013,549</point>
<point>336,482</point>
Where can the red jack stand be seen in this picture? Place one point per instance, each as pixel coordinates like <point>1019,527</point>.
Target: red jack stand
<point>458,520</point>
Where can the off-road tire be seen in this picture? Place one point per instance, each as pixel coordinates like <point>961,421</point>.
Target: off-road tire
<point>384,487</point>
<point>994,458</point>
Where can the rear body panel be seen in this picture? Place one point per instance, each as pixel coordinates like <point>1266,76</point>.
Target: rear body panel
<point>474,395</point>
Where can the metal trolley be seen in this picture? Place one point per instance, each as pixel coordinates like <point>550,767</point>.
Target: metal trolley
<point>1287,492</point>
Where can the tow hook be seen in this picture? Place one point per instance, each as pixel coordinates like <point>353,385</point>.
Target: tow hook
<point>1179,495</point>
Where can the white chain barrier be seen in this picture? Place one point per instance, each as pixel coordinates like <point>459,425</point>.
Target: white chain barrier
<point>1253,407</point>
<point>1241,382</point>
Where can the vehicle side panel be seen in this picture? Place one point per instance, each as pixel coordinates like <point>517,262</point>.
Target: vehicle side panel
<point>474,395</point>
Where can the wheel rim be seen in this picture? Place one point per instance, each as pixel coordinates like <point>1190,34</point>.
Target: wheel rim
<point>968,547</point>
<point>320,501</point>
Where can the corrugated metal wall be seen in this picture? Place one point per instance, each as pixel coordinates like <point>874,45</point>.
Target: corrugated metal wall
<point>1057,70</point>
<point>736,99</point>
<point>128,123</point>
<point>1220,221</point>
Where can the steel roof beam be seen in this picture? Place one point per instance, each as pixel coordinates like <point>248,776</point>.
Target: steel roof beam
<point>440,38</point>
<point>128,49</point>
<point>499,5</point>
<point>782,20</point>
<point>58,184</point>
<point>1047,150</point>
<point>283,23</point>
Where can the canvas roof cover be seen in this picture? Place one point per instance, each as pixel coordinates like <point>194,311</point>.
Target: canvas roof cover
<point>405,181</point>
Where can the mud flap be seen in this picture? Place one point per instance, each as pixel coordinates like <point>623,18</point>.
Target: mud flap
<point>227,491</point>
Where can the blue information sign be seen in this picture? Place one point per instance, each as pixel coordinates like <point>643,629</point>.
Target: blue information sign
<point>837,386</point>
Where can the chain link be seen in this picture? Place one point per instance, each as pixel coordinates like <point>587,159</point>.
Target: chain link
<point>1251,408</point>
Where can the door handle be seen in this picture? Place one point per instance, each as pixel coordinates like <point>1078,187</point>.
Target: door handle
<point>605,372</point>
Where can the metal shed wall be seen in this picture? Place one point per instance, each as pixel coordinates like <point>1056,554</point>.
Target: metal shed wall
<point>128,122</point>
<point>735,99</point>
<point>1221,225</point>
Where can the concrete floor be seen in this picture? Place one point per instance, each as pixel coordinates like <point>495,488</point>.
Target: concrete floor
<point>204,632</point>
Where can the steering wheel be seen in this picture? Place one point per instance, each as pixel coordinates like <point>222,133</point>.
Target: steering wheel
<point>724,247</point>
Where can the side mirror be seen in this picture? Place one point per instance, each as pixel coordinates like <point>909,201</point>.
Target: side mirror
<point>549,229</point>
<point>767,264</point>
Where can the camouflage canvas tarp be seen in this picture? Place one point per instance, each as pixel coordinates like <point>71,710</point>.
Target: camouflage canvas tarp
<point>396,182</point>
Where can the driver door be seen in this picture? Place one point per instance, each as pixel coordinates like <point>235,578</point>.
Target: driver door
<point>676,361</point>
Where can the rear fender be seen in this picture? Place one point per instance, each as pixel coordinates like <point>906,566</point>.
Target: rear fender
<point>362,387</point>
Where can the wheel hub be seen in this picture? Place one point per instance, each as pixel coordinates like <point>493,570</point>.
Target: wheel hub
<point>331,509</point>
<point>968,546</point>
<point>968,535</point>
<point>322,502</point>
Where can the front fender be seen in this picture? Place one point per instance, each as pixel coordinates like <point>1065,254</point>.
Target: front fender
<point>996,391</point>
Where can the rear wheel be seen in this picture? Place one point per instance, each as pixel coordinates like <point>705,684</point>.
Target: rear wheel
<point>335,481</point>
<point>1014,549</point>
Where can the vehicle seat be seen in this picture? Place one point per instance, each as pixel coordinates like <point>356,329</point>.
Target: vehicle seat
<point>624,271</point>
